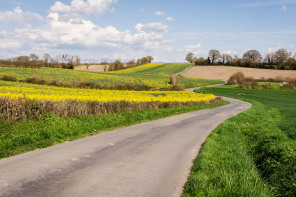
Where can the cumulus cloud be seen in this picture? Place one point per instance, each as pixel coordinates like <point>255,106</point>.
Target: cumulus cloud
<point>19,16</point>
<point>284,8</point>
<point>196,49</point>
<point>79,8</point>
<point>170,18</point>
<point>157,27</point>
<point>66,30</point>
<point>159,13</point>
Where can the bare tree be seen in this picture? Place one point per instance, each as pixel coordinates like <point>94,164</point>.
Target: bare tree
<point>34,58</point>
<point>104,61</point>
<point>46,58</point>
<point>269,58</point>
<point>189,57</point>
<point>214,55</point>
<point>228,58</point>
<point>252,56</point>
<point>281,56</point>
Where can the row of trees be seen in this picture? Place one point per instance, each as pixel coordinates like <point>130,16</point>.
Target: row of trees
<point>118,65</point>
<point>34,61</point>
<point>280,59</point>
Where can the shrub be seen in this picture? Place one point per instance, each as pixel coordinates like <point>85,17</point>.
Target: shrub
<point>56,83</point>
<point>8,78</point>
<point>249,83</point>
<point>267,85</point>
<point>290,84</point>
<point>174,79</point>
<point>36,80</point>
<point>236,78</point>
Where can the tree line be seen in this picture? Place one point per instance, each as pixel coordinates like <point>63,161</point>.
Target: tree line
<point>281,59</point>
<point>34,61</point>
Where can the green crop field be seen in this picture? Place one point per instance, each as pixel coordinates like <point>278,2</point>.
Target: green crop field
<point>253,153</point>
<point>154,75</point>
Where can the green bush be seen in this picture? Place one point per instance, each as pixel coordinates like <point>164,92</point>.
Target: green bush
<point>8,78</point>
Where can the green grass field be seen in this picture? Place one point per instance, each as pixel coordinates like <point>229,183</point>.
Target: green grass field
<point>154,75</point>
<point>253,153</point>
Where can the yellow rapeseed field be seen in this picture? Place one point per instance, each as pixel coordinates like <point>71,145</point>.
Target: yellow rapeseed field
<point>42,92</point>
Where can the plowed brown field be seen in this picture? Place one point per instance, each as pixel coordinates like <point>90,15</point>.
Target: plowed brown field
<point>224,72</point>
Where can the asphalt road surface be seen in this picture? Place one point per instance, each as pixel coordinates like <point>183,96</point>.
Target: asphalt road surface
<point>148,159</point>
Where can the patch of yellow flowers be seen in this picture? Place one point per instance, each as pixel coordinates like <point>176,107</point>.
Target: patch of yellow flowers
<point>42,92</point>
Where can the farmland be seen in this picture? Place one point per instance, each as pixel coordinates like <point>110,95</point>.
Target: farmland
<point>76,112</point>
<point>155,75</point>
<point>42,92</point>
<point>252,154</point>
<point>224,72</point>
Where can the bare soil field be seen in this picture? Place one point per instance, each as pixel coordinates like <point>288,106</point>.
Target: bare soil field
<point>224,72</point>
<point>97,68</point>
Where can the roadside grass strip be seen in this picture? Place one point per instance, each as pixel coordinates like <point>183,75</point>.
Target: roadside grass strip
<point>224,167</point>
<point>263,148</point>
<point>20,137</point>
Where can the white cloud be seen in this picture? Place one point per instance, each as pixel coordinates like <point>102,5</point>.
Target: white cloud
<point>170,18</point>
<point>230,52</point>
<point>67,31</point>
<point>19,16</point>
<point>79,8</point>
<point>157,27</point>
<point>195,49</point>
<point>142,10</point>
<point>274,48</point>
<point>159,13</point>
<point>284,8</point>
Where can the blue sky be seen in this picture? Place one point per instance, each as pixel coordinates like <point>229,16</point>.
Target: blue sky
<point>129,29</point>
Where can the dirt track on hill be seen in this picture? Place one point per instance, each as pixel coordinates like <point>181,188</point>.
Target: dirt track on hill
<point>224,72</point>
<point>97,68</point>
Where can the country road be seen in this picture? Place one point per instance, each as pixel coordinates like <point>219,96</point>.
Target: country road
<point>148,159</point>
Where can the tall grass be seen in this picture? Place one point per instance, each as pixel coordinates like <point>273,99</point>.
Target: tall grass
<point>25,109</point>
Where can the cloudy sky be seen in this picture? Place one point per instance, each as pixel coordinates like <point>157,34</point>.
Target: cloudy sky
<point>129,29</point>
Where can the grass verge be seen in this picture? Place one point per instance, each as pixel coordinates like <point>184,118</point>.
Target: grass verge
<point>251,154</point>
<point>20,137</point>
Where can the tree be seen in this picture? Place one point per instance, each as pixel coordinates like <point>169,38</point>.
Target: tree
<point>34,58</point>
<point>23,59</point>
<point>281,56</point>
<point>269,58</point>
<point>150,58</point>
<point>46,58</point>
<point>200,61</point>
<point>139,62</point>
<point>189,57</point>
<point>131,63</point>
<point>118,65</point>
<point>214,55</point>
<point>252,56</point>
<point>144,60</point>
<point>226,58</point>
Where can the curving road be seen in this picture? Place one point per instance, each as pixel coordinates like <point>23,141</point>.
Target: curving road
<point>148,159</point>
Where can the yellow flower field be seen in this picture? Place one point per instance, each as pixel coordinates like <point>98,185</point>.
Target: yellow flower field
<point>42,92</point>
